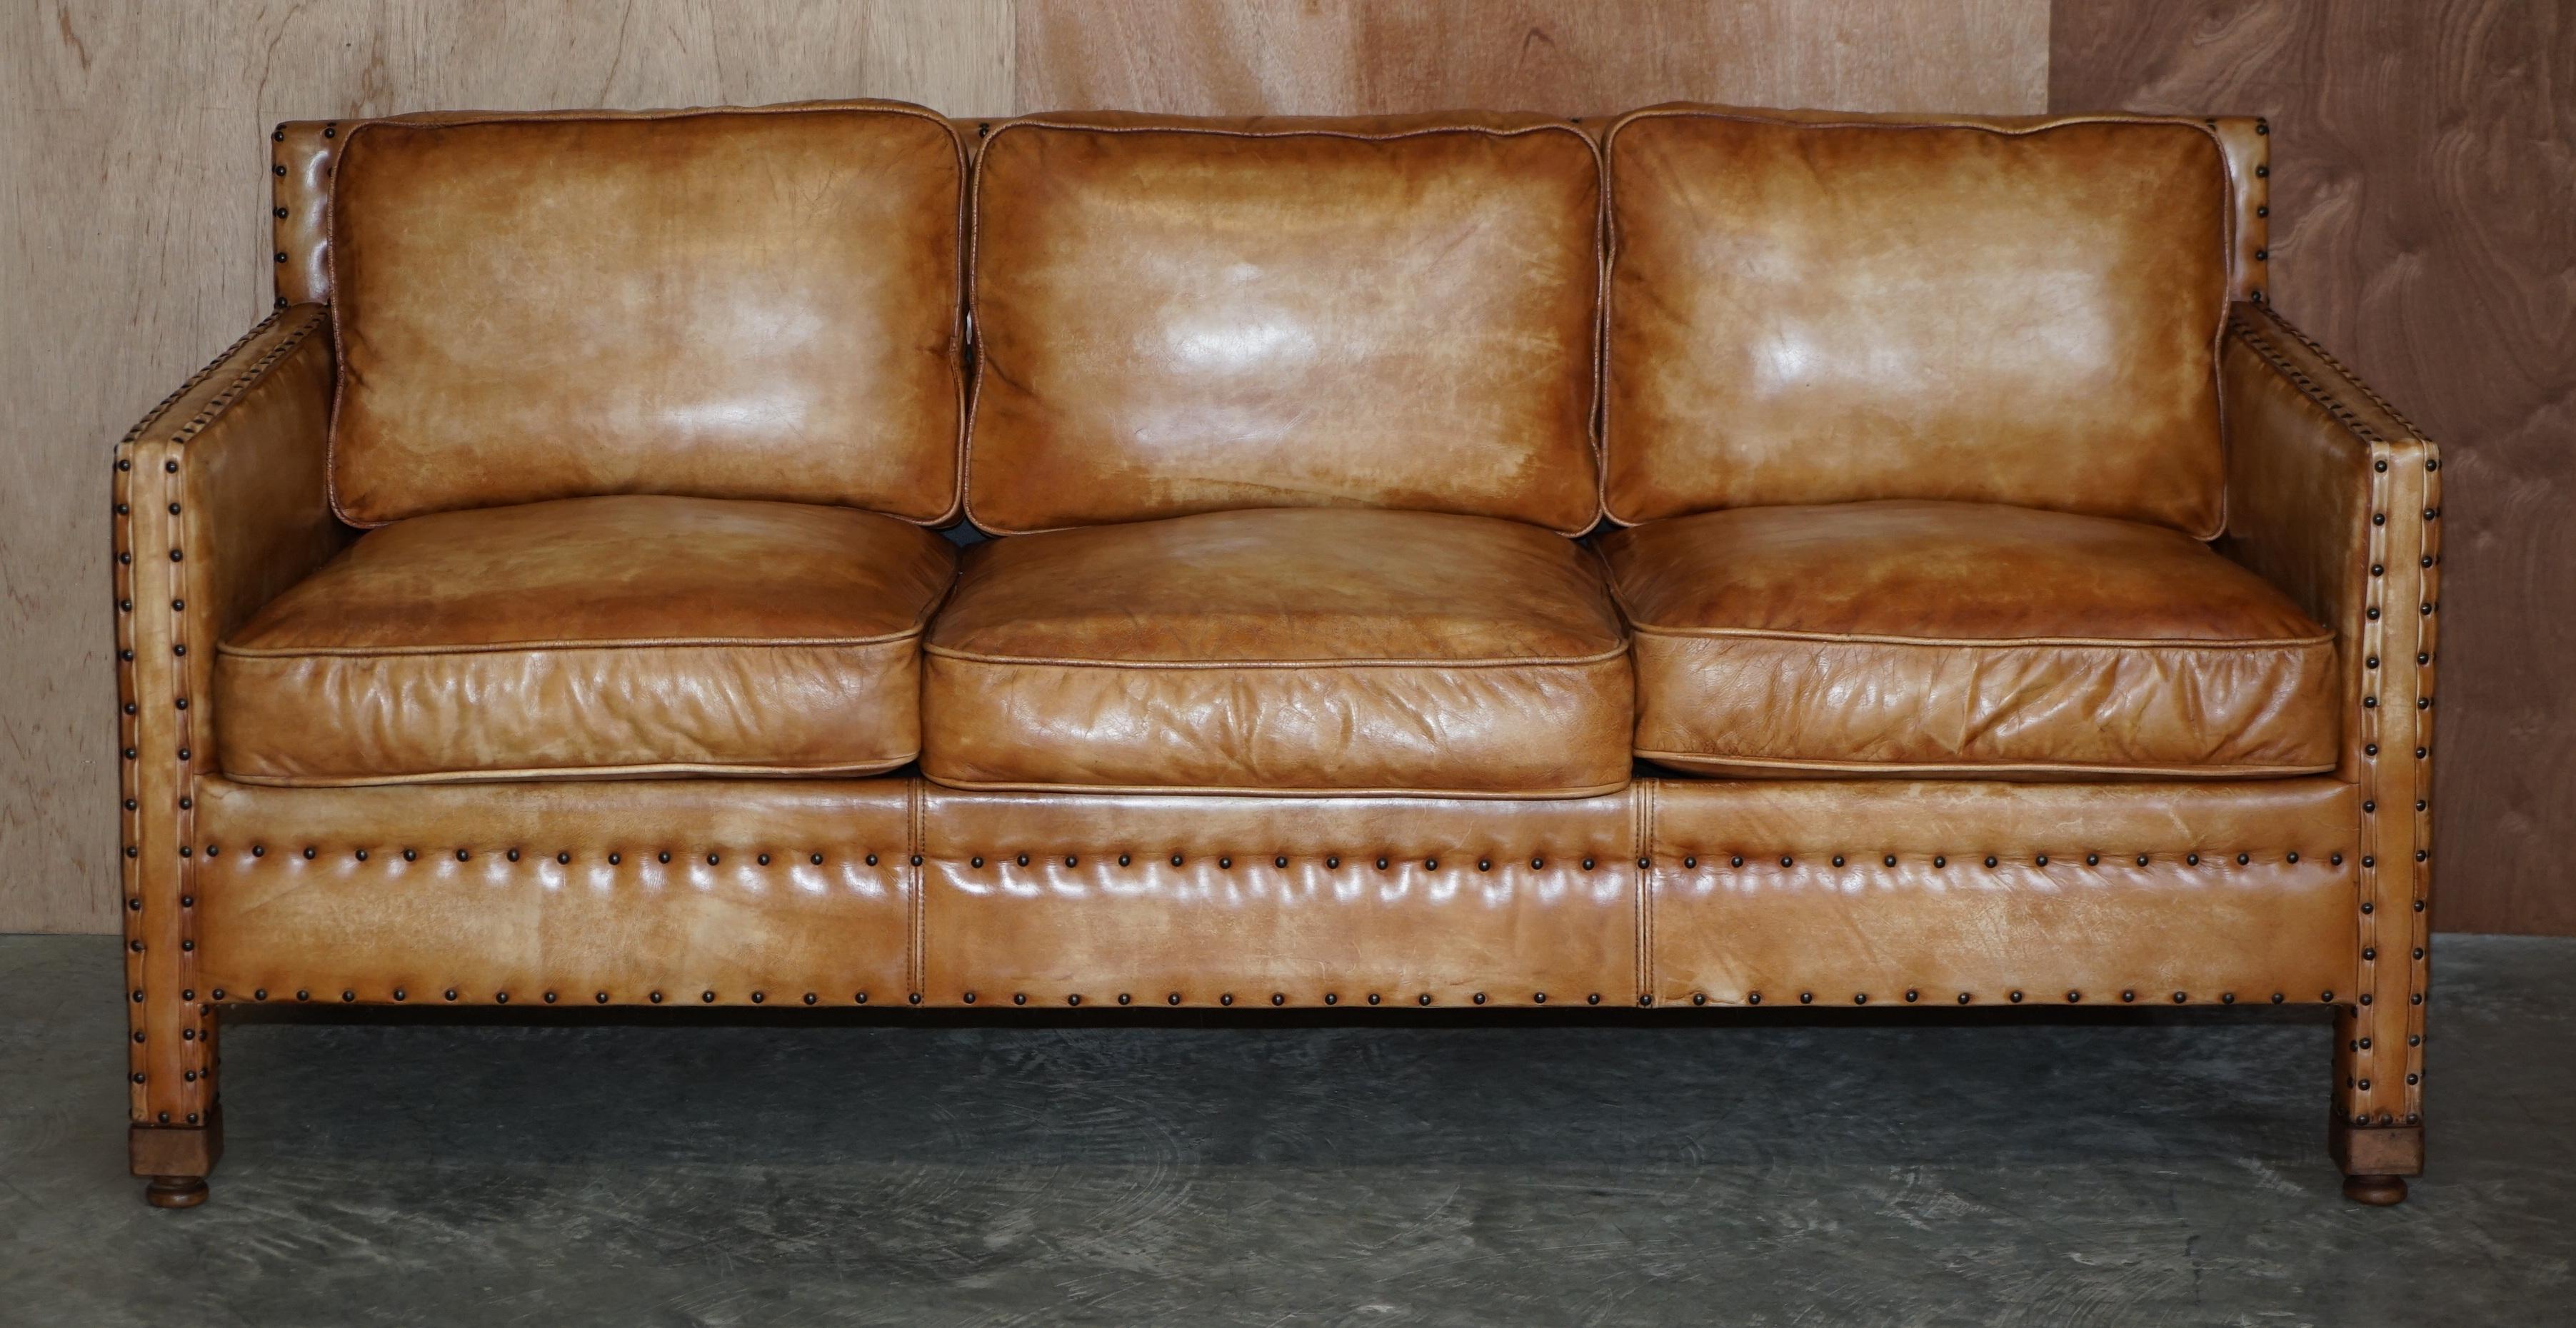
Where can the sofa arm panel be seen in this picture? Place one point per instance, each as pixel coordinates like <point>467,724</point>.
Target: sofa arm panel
<point>2336,498</point>
<point>220,503</point>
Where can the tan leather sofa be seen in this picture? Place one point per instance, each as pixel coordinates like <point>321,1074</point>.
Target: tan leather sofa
<point>1712,558</point>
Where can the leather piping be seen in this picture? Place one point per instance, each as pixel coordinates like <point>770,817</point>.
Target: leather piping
<point>1214,665</point>
<point>1600,279</point>
<point>603,643</point>
<point>2039,125</point>
<point>1478,795</point>
<point>565,772</point>
<point>1977,642</point>
<point>1970,770</point>
<point>339,284</point>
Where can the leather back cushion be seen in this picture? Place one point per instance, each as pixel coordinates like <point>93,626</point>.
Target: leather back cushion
<point>1178,315</point>
<point>719,304</point>
<point>1818,309</point>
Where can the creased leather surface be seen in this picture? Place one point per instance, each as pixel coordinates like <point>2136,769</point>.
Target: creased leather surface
<point>537,904</point>
<point>1518,903</point>
<point>731,304</point>
<point>1180,316</point>
<point>1810,312</point>
<point>1746,896</point>
<point>2338,499</point>
<point>631,634</point>
<point>1951,637</point>
<point>1281,651</point>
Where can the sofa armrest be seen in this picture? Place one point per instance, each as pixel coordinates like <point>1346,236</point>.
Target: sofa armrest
<point>2337,499</point>
<point>222,500</point>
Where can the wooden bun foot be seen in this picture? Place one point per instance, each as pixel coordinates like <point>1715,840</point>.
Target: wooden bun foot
<point>2377,1191</point>
<point>190,1191</point>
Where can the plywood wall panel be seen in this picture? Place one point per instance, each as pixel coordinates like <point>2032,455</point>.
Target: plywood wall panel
<point>2424,227</point>
<point>1334,57</point>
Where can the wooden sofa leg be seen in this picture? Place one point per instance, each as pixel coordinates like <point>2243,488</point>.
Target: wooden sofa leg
<point>176,1160</point>
<point>2376,1152</point>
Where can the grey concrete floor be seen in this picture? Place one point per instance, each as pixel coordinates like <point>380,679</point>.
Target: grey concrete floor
<point>1898,1167</point>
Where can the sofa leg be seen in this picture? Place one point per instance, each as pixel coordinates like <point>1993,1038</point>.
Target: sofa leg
<point>2375,1149</point>
<point>176,1160</point>
<point>175,1191</point>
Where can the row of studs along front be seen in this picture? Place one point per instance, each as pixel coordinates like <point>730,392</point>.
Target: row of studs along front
<point>2362,1054</point>
<point>656,996</point>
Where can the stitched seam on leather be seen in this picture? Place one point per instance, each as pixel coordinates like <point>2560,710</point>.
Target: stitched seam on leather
<point>2318,392</point>
<point>1982,642</point>
<point>2227,245</point>
<point>153,416</point>
<point>1481,795</point>
<point>542,647</point>
<point>1026,661</point>
<point>856,106</point>
<point>1593,443</point>
<point>2233,770</point>
<point>250,376</point>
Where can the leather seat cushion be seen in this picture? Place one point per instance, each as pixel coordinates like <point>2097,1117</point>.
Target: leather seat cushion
<point>591,636</point>
<point>1281,651</point>
<point>1964,639</point>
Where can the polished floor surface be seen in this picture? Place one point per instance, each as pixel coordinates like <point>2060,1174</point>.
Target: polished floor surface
<point>1877,1167</point>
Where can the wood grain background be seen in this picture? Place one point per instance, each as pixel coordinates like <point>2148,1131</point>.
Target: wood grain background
<point>2419,146</point>
<point>2424,228</point>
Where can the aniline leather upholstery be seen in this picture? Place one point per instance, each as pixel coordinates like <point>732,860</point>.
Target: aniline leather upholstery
<point>650,891</point>
<point>1670,891</point>
<point>991,899</point>
<point>628,635</point>
<point>1179,315</point>
<point>2003,893</point>
<point>2337,499</point>
<point>1281,651</point>
<point>724,304</point>
<point>221,503</point>
<point>1805,311</point>
<point>1231,901</point>
<point>1964,639</point>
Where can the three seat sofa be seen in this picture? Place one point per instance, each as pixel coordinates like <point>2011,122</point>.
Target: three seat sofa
<point>829,555</point>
